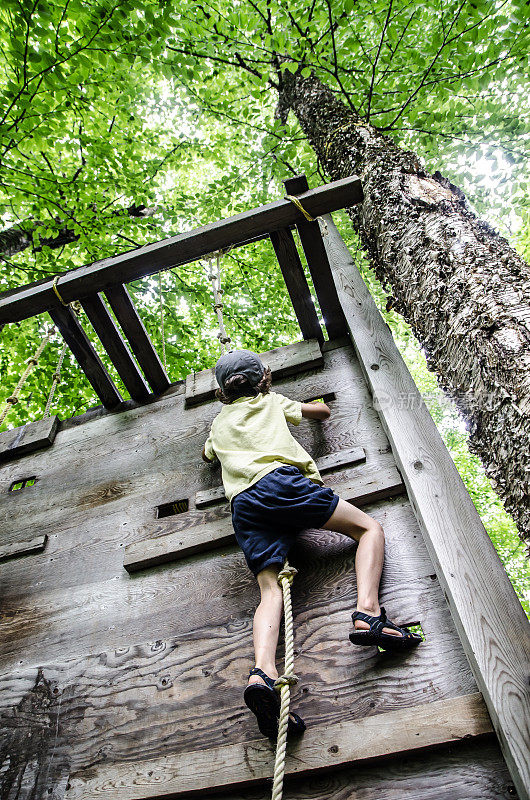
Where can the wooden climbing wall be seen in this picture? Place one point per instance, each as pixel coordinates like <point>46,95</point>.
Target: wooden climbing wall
<point>128,684</point>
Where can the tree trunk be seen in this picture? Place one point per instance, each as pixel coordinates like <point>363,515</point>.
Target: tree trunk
<point>462,288</point>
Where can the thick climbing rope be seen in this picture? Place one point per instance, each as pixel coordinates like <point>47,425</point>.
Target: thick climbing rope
<point>215,278</point>
<point>31,362</point>
<point>285,681</point>
<point>56,377</point>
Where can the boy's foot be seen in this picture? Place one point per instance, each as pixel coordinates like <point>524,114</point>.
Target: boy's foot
<point>264,701</point>
<point>379,630</point>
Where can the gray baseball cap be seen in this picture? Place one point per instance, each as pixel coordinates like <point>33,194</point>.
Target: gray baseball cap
<point>239,362</point>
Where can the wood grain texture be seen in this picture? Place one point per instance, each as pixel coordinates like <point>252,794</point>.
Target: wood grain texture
<point>87,358</point>
<point>27,438</point>
<point>117,350</point>
<point>283,361</point>
<point>121,303</point>
<point>296,283</point>
<point>489,618</point>
<point>318,263</point>
<point>466,771</point>
<point>35,298</point>
<point>427,725</point>
<point>22,548</point>
<point>162,549</point>
<point>333,461</point>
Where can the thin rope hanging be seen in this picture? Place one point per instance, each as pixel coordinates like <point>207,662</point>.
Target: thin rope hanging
<point>162,329</point>
<point>31,362</point>
<point>323,225</point>
<point>215,278</point>
<point>56,377</point>
<point>285,681</point>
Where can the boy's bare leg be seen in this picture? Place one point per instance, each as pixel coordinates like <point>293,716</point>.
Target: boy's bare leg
<point>267,622</point>
<point>353,522</point>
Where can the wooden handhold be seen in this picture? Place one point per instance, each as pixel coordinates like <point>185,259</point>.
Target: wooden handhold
<point>361,490</point>
<point>22,548</point>
<point>89,361</point>
<point>343,458</point>
<point>283,361</point>
<point>27,438</point>
<point>405,730</point>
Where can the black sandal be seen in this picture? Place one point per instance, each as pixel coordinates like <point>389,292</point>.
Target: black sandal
<point>375,635</point>
<point>264,702</point>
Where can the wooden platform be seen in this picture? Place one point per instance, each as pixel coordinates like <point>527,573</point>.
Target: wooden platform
<point>107,678</point>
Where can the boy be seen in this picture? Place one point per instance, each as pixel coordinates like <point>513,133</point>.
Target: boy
<point>275,491</point>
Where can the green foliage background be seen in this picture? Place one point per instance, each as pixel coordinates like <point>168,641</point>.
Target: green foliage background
<point>114,108</point>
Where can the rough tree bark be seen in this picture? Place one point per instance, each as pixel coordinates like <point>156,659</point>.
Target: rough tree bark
<point>462,288</point>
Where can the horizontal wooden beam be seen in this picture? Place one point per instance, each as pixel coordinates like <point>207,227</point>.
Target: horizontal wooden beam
<point>371,485</point>
<point>296,283</point>
<point>333,461</point>
<point>121,303</point>
<point>318,263</point>
<point>87,358</point>
<point>117,350</point>
<point>28,438</point>
<point>18,304</point>
<point>380,736</point>
<point>15,549</point>
<point>283,361</point>
<point>487,614</point>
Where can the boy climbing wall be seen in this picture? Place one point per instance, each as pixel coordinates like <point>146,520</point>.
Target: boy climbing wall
<point>275,491</point>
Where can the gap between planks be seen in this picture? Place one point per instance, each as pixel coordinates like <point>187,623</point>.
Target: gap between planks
<point>322,747</point>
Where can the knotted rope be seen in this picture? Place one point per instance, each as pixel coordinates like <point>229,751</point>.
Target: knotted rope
<point>56,377</point>
<point>215,278</point>
<point>31,362</point>
<point>285,681</point>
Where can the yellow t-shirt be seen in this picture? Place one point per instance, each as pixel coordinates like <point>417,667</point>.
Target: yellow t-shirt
<point>250,438</point>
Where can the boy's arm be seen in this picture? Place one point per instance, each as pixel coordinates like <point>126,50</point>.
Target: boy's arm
<point>205,457</point>
<point>315,410</point>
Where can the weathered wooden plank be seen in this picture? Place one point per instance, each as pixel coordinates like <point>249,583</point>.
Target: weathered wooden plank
<point>318,263</point>
<point>472,770</point>
<point>343,458</point>
<point>105,609</point>
<point>118,352</point>
<point>27,438</point>
<point>297,286</point>
<point>35,298</point>
<point>121,303</point>
<point>393,733</point>
<point>283,361</point>
<point>22,548</point>
<point>88,359</point>
<point>150,552</point>
<point>489,618</point>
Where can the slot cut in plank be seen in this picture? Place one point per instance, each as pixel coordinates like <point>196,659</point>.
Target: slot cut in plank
<point>28,438</point>
<point>378,484</point>
<point>14,549</point>
<point>283,361</point>
<point>297,286</point>
<point>118,352</point>
<point>89,361</point>
<point>344,458</point>
<point>123,307</point>
<point>379,736</point>
<point>319,266</point>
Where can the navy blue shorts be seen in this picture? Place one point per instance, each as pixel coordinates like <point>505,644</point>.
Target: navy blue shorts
<point>269,514</point>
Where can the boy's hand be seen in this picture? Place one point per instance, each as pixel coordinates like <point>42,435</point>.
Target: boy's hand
<point>205,457</point>
<point>315,410</point>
